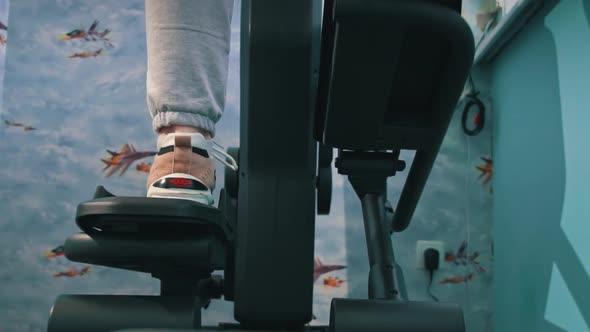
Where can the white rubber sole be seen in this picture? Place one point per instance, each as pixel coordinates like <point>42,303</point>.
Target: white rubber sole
<point>199,196</point>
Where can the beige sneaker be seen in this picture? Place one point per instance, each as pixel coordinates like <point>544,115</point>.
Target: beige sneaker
<point>184,168</point>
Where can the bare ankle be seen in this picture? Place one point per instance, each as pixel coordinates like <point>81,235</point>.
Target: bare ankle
<point>184,129</point>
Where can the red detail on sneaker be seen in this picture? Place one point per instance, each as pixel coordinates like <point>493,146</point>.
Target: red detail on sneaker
<point>180,182</point>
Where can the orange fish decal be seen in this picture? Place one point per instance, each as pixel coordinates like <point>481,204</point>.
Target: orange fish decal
<point>87,54</point>
<point>72,272</point>
<point>91,35</point>
<point>487,170</point>
<point>458,279</point>
<point>333,281</point>
<point>143,167</point>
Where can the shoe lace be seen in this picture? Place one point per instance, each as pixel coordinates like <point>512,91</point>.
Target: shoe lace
<point>219,149</point>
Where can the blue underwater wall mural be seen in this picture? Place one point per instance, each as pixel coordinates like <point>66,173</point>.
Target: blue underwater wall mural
<point>66,102</point>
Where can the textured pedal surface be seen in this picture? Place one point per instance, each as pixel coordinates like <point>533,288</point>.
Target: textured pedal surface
<point>141,216</point>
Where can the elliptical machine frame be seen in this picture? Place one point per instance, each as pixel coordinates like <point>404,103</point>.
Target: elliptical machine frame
<point>354,88</point>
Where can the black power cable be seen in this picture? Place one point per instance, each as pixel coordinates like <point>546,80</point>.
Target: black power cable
<point>431,259</point>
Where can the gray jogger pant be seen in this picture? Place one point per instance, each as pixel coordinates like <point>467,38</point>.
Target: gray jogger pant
<point>188,43</point>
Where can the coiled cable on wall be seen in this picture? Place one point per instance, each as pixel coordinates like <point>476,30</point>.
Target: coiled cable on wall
<point>471,98</point>
<point>473,101</point>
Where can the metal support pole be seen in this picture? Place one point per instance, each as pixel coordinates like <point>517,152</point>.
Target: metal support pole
<point>383,283</point>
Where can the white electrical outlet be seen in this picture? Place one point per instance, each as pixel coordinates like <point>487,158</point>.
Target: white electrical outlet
<point>422,246</point>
